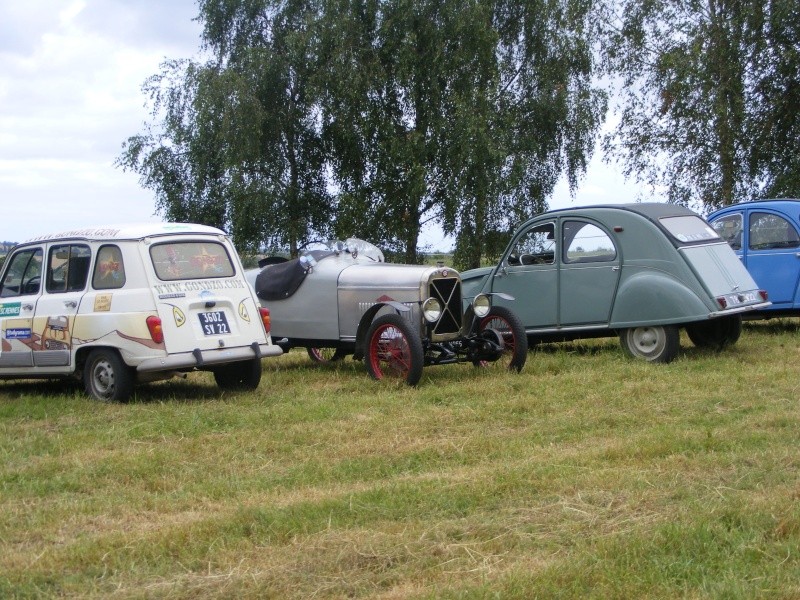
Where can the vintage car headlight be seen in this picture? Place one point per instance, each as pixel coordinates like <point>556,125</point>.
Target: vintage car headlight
<point>431,310</point>
<point>481,305</point>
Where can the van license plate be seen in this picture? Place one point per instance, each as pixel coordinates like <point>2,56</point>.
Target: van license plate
<point>214,323</point>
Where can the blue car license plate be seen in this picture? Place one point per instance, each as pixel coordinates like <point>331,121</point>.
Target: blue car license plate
<point>214,323</point>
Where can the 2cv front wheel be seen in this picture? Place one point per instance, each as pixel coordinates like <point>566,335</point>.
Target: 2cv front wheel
<point>394,350</point>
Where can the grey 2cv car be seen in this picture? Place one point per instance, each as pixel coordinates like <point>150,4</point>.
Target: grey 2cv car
<point>343,299</point>
<point>640,271</point>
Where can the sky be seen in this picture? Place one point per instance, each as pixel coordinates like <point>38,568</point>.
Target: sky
<point>71,75</point>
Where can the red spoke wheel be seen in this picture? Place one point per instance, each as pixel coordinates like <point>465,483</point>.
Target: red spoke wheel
<point>506,324</point>
<point>325,355</point>
<point>394,350</point>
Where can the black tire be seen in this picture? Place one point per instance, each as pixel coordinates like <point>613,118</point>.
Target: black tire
<point>506,323</point>
<point>394,349</point>
<point>658,343</point>
<point>106,377</point>
<point>238,376</point>
<point>716,333</point>
<point>325,355</point>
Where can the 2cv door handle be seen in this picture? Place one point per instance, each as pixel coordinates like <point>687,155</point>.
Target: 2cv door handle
<point>70,303</point>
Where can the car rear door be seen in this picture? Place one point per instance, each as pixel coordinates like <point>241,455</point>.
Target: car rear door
<point>772,255</point>
<point>590,270</point>
<point>202,297</point>
<point>65,277</point>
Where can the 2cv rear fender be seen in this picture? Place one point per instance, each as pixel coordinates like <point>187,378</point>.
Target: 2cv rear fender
<point>651,297</point>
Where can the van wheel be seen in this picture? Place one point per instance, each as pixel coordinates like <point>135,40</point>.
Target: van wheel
<point>394,349</point>
<point>655,344</point>
<point>242,375</point>
<point>716,333</point>
<point>106,377</point>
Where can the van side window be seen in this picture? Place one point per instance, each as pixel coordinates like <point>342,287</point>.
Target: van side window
<point>109,270</point>
<point>68,268</point>
<point>191,260</point>
<point>24,274</point>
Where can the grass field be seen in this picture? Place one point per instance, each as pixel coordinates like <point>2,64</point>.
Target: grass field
<point>589,475</point>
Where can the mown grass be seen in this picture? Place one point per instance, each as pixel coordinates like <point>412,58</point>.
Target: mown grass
<point>589,475</point>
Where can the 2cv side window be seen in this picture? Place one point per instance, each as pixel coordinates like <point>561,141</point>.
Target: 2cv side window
<point>769,231</point>
<point>535,247</point>
<point>68,268</point>
<point>729,228</point>
<point>191,260</point>
<point>24,274</point>
<point>109,269</point>
<point>584,242</point>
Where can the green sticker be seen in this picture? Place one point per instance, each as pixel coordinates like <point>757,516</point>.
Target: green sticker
<point>9,309</point>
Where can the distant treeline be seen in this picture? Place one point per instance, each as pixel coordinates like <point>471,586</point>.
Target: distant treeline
<point>6,246</point>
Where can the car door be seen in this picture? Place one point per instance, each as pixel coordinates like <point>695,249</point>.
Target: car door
<point>19,294</point>
<point>590,269</point>
<point>66,274</point>
<point>772,255</point>
<point>529,273</point>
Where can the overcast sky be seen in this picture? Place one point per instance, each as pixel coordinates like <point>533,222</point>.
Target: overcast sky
<point>71,73</point>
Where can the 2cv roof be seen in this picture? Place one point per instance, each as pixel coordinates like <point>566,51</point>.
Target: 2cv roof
<point>679,225</point>
<point>129,231</point>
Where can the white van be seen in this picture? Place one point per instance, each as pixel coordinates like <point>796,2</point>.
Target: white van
<point>121,305</point>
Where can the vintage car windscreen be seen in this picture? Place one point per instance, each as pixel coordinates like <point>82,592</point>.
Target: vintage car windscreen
<point>689,229</point>
<point>191,260</point>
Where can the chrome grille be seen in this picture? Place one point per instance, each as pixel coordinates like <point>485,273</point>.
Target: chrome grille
<point>447,290</point>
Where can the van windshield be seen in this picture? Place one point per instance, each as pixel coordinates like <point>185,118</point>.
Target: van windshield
<point>689,229</point>
<point>191,260</point>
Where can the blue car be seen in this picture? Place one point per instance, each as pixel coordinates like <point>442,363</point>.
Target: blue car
<point>765,234</point>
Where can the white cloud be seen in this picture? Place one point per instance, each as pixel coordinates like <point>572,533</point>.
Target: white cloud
<point>70,91</point>
<point>71,75</point>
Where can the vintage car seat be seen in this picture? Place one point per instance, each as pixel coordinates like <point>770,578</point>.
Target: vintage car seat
<point>280,281</point>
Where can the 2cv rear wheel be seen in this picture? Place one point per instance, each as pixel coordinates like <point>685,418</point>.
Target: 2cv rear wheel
<point>658,343</point>
<point>394,350</point>
<point>716,333</point>
<point>504,322</point>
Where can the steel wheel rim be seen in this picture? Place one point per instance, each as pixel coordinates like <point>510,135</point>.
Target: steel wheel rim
<point>103,379</point>
<point>389,352</point>
<point>648,341</point>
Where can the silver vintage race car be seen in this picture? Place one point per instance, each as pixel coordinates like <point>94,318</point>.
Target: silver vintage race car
<point>342,299</point>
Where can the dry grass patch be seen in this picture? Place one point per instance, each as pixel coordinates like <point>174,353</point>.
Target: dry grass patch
<point>588,475</point>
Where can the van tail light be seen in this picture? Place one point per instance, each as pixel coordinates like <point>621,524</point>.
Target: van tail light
<point>265,318</point>
<point>723,303</point>
<point>764,295</point>
<point>156,331</point>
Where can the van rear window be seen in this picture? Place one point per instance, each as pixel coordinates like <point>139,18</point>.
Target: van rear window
<point>191,260</point>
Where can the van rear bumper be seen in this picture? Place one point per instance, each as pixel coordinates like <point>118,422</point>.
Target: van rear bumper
<point>204,358</point>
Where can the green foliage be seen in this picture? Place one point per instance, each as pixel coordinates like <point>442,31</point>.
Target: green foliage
<point>370,119</point>
<point>707,94</point>
<point>588,475</point>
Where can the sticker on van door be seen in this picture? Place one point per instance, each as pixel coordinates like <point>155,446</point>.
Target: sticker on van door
<point>10,309</point>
